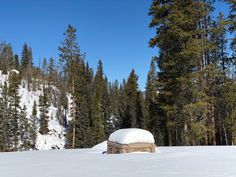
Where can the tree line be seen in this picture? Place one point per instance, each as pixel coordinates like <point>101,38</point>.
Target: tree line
<point>97,107</point>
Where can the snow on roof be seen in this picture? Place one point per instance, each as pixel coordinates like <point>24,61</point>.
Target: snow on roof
<point>131,135</point>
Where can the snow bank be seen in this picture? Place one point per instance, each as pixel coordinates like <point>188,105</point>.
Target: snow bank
<point>170,162</point>
<point>101,146</point>
<point>131,135</point>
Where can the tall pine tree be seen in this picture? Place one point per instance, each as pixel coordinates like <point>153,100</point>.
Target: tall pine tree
<point>131,91</point>
<point>14,107</point>
<point>98,119</point>
<point>43,107</point>
<point>33,126</point>
<point>69,58</point>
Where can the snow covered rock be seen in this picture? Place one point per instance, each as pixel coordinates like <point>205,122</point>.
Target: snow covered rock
<point>131,135</point>
<point>130,140</point>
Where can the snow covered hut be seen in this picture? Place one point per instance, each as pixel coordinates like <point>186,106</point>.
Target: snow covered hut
<point>130,140</point>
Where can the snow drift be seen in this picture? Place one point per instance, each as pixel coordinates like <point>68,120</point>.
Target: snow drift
<point>169,162</point>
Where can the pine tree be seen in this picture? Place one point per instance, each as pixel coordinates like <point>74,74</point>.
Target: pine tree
<point>122,106</point>
<point>17,62</point>
<point>219,71</point>
<point>43,107</point>
<point>62,106</point>
<point>106,104</point>
<point>24,130</point>
<point>89,83</point>
<point>229,126</point>
<point>114,103</point>
<point>131,91</point>
<point>26,57</point>
<point>52,74</point>
<point>154,121</point>
<point>83,95</point>
<point>232,18</point>
<point>14,107</point>
<point>141,111</point>
<point>44,72</point>
<point>69,58</point>
<point>207,71</point>
<point>33,126</point>
<point>7,58</point>
<point>219,39</point>
<point>27,63</point>
<point>3,123</point>
<point>85,138</point>
<point>6,114</point>
<point>183,29</point>
<point>45,67</point>
<point>98,119</point>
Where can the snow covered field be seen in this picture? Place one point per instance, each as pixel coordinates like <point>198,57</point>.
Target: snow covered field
<point>167,162</point>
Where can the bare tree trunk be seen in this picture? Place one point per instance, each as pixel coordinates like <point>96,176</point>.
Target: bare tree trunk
<point>226,139</point>
<point>185,135</point>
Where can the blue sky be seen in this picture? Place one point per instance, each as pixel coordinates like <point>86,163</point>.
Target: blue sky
<point>114,31</point>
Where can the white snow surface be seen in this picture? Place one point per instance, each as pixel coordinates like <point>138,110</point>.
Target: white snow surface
<point>131,135</point>
<point>101,146</point>
<point>169,162</point>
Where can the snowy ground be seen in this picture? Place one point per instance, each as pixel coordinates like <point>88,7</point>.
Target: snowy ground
<point>168,162</point>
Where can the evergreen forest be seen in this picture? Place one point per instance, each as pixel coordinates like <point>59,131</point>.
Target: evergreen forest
<point>189,98</point>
